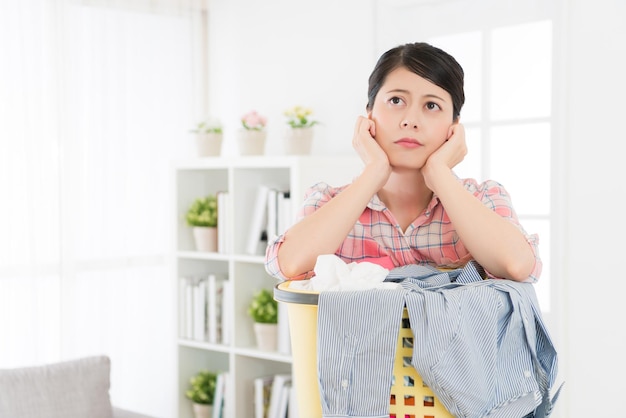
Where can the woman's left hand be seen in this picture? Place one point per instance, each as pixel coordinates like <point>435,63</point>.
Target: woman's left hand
<point>453,150</point>
<point>448,155</point>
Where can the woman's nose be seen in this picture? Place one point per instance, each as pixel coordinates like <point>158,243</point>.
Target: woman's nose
<point>406,123</point>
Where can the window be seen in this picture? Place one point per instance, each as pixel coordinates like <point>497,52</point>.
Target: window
<point>508,119</point>
<point>507,55</point>
<point>98,97</point>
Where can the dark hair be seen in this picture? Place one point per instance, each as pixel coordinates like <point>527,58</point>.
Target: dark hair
<point>425,60</point>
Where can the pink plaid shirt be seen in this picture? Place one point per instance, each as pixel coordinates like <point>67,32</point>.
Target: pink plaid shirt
<point>430,239</point>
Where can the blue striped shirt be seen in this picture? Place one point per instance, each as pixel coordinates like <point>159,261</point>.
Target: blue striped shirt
<point>480,345</point>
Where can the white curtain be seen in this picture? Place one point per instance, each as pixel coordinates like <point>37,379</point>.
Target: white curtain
<point>96,98</point>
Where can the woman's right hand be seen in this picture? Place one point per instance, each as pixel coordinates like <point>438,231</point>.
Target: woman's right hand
<point>371,153</point>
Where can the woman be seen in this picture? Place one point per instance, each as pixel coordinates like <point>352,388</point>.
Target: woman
<point>407,206</point>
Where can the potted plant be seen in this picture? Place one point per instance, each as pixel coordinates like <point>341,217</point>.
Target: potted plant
<point>299,135</point>
<point>209,135</point>
<point>202,392</point>
<point>202,217</point>
<point>263,310</point>
<point>252,136</point>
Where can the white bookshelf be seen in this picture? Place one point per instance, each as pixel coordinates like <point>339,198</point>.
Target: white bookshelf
<point>240,176</point>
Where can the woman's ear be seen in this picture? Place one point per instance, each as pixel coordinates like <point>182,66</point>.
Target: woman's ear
<point>451,128</point>
<point>450,131</point>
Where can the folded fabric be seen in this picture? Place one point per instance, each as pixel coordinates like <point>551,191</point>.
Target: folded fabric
<point>480,345</point>
<point>334,274</point>
<point>356,349</point>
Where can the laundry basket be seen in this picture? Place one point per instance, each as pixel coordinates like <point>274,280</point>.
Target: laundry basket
<point>409,396</point>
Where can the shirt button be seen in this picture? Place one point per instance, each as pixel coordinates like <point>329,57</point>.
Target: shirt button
<point>344,383</point>
<point>427,213</point>
<point>527,373</point>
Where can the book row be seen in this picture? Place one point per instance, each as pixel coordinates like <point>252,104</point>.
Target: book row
<point>271,215</point>
<point>202,302</point>
<point>220,406</point>
<point>275,397</point>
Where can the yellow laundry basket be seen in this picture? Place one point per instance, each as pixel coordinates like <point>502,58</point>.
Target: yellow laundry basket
<point>409,396</point>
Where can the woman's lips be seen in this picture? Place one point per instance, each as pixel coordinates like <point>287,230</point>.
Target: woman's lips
<point>408,143</point>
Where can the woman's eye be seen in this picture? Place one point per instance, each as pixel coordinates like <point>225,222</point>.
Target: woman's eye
<point>432,106</point>
<point>395,100</point>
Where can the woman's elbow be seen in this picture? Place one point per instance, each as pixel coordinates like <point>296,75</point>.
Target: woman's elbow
<point>291,265</point>
<point>520,269</point>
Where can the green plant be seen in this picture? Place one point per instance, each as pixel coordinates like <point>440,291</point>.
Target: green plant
<point>202,387</point>
<point>203,212</point>
<point>263,308</point>
<point>210,126</point>
<point>298,117</point>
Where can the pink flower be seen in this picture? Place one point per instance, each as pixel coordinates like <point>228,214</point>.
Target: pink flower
<point>253,121</point>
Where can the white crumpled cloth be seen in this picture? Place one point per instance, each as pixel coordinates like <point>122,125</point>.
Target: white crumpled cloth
<point>334,274</point>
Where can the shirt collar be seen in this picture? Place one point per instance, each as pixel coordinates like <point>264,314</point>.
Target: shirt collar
<point>376,204</point>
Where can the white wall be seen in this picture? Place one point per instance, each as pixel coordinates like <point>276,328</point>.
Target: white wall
<point>594,286</point>
<point>271,55</point>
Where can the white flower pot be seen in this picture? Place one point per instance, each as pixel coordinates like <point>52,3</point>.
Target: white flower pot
<point>209,145</point>
<point>201,410</point>
<point>251,142</point>
<point>298,141</point>
<point>266,336</point>
<point>205,238</point>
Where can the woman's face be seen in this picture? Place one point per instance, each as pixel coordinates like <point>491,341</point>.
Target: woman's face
<point>413,118</point>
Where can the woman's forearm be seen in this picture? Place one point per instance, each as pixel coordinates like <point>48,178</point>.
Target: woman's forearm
<point>323,231</point>
<point>496,243</point>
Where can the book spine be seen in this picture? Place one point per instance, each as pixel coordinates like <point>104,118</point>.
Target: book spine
<point>219,396</point>
<point>216,296</point>
<point>199,310</point>
<point>227,301</point>
<point>182,305</point>
<point>259,221</point>
<point>272,214</point>
<point>262,392</point>
<point>285,212</point>
<point>280,380</point>
<point>188,309</point>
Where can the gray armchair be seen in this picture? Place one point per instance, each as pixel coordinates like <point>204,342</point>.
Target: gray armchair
<point>71,389</point>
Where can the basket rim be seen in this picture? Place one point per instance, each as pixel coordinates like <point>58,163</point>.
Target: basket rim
<point>282,293</point>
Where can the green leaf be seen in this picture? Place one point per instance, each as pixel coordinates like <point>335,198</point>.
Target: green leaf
<point>203,212</point>
<point>263,308</point>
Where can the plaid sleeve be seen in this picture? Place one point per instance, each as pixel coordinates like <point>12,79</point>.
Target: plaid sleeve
<point>494,196</point>
<point>314,198</point>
